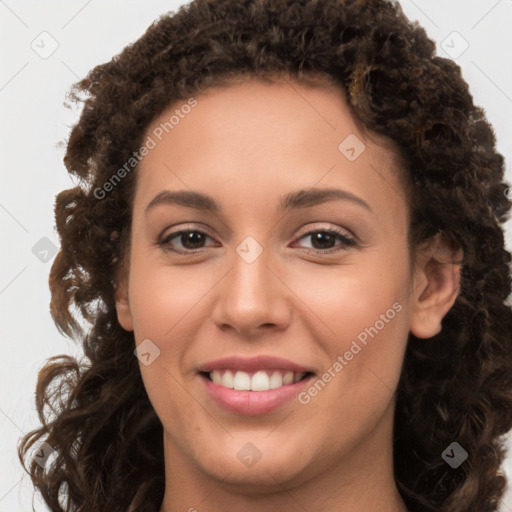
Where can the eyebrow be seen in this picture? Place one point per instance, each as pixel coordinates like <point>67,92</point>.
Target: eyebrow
<point>294,200</point>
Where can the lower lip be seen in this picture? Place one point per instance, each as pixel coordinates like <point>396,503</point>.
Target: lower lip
<point>252,403</point>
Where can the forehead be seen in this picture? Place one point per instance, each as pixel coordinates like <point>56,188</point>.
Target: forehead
<point>257,138</point>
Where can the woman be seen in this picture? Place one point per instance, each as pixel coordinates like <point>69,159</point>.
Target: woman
<point>290,213</point>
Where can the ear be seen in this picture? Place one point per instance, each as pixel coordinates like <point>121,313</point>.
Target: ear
<point>436,285</point>
<point>124,315</point>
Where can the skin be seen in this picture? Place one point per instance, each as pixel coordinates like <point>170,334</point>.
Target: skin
<point>246,145</point>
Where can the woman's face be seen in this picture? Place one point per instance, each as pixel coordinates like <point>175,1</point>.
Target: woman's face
<point>273,280</point>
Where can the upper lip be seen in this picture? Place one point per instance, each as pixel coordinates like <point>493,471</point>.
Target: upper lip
<point>253,364</point>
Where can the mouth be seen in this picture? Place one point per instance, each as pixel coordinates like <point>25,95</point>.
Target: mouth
<point>256,385</point>
<point>260,380</point>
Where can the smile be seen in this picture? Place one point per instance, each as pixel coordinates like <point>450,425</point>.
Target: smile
<point>255,385</point>
<point>261,380</point>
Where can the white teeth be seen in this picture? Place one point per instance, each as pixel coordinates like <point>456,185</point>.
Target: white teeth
<point>215,376</point>
<point>227,379</point>
<point>260,381</point>
<point>242,381</point>
<point>288,378</point>
<point>276,380</point>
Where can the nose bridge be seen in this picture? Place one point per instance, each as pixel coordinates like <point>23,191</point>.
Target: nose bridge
<point>250,279</point>
<point>250,295</point>
<point>250,270</point>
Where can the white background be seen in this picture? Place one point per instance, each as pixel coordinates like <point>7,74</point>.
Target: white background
<point>34,121</point>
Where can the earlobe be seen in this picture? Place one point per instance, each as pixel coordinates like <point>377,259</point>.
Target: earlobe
<point>436,287</point>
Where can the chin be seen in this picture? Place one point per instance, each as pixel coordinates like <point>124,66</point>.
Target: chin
<point>251,469</point>
<point>261,478</point>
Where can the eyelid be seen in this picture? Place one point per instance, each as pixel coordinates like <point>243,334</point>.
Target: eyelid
<point>349,240</point>
<point>162,239</point>
<point>186,227</point>
<point>319,226</point>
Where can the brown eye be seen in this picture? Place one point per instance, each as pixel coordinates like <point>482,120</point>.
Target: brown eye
<point>323,240</point>
<point>187,241</point>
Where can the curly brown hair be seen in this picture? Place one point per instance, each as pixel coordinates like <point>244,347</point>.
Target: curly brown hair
<point>95,413</point>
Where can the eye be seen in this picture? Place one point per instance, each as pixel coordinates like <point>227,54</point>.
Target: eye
<point>188,240</point>
<point>323,240</point>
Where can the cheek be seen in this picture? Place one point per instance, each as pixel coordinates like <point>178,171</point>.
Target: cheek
<point>161,297</point>
<point>348,299</point>
<point>361,311</point>
<point>163,301</point>
<point>366,312</point>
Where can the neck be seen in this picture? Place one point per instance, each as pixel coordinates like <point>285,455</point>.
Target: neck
<point>362,481</point>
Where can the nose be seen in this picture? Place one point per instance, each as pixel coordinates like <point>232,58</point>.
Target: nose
<point>251,299</point>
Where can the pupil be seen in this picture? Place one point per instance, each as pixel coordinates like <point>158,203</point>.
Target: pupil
<point>191,238</point>
<point>323,237</point>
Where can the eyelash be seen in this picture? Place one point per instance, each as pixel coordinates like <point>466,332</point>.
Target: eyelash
<point>164,243</point>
